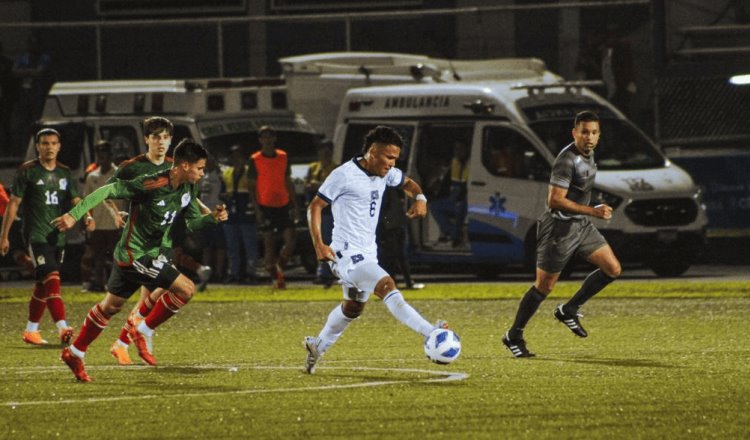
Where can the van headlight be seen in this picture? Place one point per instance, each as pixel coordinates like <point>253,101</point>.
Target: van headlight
<point>598,197</point>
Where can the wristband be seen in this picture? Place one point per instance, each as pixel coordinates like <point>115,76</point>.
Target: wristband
<point>421,198</point>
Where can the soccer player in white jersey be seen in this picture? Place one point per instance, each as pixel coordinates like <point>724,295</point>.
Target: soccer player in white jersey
<point>355,192</point>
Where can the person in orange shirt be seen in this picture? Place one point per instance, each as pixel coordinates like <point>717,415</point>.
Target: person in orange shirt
<point>272,193</point>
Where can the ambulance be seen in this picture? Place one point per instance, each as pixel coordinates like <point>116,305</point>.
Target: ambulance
<point>514,116</point>
<point>218,113</point>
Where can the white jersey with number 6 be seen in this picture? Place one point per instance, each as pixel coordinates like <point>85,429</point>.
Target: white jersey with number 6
<point>355,197</point>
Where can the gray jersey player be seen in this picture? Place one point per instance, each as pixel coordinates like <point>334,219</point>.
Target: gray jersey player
<point>565,229</point>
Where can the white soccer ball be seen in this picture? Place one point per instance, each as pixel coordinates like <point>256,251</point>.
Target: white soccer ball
<point>442,346</point>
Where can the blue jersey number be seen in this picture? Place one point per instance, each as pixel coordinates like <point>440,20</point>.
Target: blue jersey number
<point>357,258</point>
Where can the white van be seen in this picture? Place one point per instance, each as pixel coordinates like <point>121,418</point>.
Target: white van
<point>218,113</point>
<point>515,120</point>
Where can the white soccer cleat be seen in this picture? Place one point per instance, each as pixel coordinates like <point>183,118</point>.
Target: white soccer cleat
<point>313,355</point>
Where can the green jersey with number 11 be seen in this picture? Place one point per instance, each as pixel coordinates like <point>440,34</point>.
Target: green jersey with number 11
<point>154,205</point>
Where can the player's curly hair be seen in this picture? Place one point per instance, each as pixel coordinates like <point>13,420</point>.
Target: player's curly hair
<point>382,135</point>
<point>189,151</point>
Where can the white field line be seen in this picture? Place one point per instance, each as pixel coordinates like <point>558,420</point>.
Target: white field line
<point>441,376</point>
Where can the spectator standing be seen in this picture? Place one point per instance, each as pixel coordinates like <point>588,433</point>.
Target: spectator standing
<point>239,230</point>
<point>391,237</point>
<point>8,96</point>
<point>214,246</point>
<point>316,175</point>
<point>101,242</point>
<point>33,69</point>
<point>450,211</point>
<point>276,210</point>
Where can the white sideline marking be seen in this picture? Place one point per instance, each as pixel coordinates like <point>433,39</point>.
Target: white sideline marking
<point>442,376</point>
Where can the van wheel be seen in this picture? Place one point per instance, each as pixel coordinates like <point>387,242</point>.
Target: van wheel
<point>669,267</point>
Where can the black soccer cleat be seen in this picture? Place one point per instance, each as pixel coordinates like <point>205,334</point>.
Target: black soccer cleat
<point>517,347</point>
<point>571,321</point>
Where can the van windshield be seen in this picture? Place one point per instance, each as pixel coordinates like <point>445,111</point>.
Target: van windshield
<point>301,147</point>
<point>621,146</point>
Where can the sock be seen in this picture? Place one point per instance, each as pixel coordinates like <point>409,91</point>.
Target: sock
<point>124,337</point>
<point>32,326</point>
<point>62,324</point>
<point>146,305</point>
<point>593,284</point>
<point>37,303</point>
<point>96,321</point>
<point>406,313</point>
<point>166,306</point>
<point>332,330</point>
<point>54,300</point>
<point>526,309</point>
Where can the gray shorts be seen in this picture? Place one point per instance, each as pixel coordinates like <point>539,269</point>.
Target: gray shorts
<point>558,240</point>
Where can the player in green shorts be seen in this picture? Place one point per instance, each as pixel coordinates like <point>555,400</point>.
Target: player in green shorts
<point>156,199</point>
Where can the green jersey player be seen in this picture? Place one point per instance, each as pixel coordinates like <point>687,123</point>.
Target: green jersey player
<point>46,188</point>
<point>156,200</point>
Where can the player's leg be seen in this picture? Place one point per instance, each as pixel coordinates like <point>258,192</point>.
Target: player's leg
<point>96,321</point>
<point>386,289</point>
<point>181,290</point>
<point>598,252</point>
<point>339,318</point>
<point>48,259</point>
<point>37,306</point>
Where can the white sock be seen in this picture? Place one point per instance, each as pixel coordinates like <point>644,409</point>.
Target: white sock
<point>335,326</point>
<point>62,324</point>
<point>144,329</point>
<point>77,352</point>
<point>122,344</point>
<point>406,313</point>
<point>32,326</point>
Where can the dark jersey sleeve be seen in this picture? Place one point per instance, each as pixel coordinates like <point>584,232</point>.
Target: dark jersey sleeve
<point>562,170</point>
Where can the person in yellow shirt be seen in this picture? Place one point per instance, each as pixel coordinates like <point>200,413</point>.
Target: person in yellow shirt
<point>450,212</point>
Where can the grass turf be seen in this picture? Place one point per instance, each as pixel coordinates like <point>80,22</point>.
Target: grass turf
<point>664,360</point>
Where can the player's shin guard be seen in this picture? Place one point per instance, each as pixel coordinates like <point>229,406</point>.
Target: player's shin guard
<point>96,321</point>
<point>166,307</point>
<point>406,313</point>
<point>37,303</point>
<point>593,284</point>
<point>333,329</point>
<point>54,300</point>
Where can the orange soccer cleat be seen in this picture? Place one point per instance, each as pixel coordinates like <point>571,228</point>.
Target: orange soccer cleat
<point>75,364</point>
<point>66,335</point>
<point>140,343</point>
<point>33,338</point>
<point>120,352</point>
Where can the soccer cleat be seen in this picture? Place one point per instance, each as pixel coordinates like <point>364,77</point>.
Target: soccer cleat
<point>571,320</point>
<point>33,338</point>
<point>441,323</point>
<point>133,320</point>
<point>204,274</point>
<point>120,352</point>
<point>279,282</point>
<point>75,364</point>
<point>66,335</point>
<point>517,347</point>
<point>140,343</point>
<point>313,355</point>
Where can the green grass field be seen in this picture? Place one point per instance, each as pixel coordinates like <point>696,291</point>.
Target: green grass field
<point>663,360</point>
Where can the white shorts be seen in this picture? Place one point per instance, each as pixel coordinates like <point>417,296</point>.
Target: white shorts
<point>359,271</point>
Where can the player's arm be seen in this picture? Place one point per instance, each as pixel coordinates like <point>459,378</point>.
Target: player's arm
<point>117,190</point>
<point>89,219</point>
<point>10,216</point>
<point>197,218</point>
<point>314,210</point>
<point>556,200</point>
<point>413,190</point>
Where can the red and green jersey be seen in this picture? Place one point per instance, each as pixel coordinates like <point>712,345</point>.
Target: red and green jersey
<point>46,195</point>
<point>154,204</point>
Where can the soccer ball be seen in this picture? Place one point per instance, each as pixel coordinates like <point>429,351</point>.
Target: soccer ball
<point>442,346</point>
